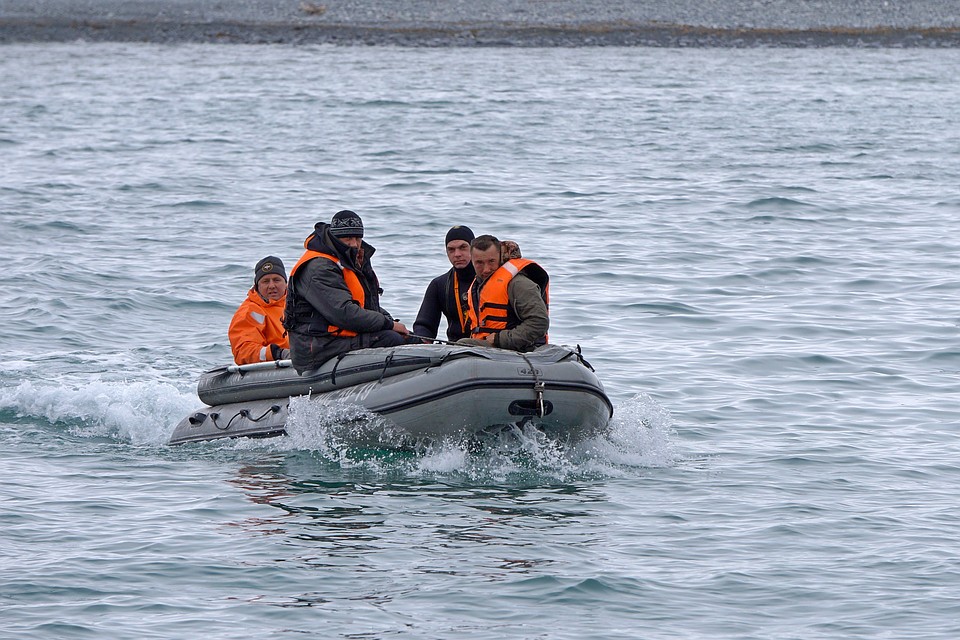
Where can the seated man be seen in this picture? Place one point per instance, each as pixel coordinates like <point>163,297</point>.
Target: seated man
<point>508,302</point>
<point>333,300</point>
<point>509,249</point>
<point>447,294</point>
<point>256,331</point>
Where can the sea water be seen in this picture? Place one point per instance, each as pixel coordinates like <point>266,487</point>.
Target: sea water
<point>756,249</point>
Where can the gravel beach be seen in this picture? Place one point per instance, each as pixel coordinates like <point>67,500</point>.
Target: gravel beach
<point>732,23</point>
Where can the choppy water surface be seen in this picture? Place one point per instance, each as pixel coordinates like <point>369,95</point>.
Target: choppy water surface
<point>756,249</point>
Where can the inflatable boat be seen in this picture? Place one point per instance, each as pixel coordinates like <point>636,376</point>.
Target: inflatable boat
<point>420,391</point>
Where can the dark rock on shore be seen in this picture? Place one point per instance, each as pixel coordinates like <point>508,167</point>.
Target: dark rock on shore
<point>693,23</point>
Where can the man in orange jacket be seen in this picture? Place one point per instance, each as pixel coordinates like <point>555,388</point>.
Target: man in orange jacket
<point>256,331</point>
<point>508,302</point>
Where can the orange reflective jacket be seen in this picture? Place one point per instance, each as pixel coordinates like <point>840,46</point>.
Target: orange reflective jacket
<point>255,326</point>
<point>351,279</point>
<point>495,313</point>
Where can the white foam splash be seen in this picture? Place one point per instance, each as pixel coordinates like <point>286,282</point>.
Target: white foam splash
<point>144,413</point>
<point>336,431</point>
<point>136,412</point>
<point>639,436</point>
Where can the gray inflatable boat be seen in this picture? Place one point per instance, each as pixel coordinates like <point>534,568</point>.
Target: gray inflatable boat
<point>421,391</point>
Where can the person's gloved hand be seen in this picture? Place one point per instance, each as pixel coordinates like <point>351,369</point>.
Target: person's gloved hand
<point>279,354</point>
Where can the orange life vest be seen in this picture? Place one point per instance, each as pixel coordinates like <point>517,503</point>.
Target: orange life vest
<point>495,313</point>
<point>350,277</point>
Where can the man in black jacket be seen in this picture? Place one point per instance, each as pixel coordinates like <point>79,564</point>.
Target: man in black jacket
<point>333,296</point>
<point>447,294</point>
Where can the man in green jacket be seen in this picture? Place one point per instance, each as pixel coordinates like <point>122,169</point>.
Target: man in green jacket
<point>508,302</point>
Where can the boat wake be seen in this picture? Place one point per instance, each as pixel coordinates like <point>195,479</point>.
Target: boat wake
<point>639,436</point>
<point>138,412</point>
<point>348,436</point>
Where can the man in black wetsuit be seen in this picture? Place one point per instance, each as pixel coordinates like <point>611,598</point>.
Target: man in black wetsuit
<point>447,294</point>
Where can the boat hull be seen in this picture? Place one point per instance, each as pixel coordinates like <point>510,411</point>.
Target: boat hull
<point>420,391</point>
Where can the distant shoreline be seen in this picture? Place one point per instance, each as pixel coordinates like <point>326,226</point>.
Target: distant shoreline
<point>231,32</point>
<point>478,23</point>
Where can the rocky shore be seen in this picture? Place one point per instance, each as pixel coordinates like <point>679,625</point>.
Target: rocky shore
<point>683,23</point>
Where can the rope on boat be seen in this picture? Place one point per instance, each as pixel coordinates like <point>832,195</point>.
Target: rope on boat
<point>386,364</point>
<point>538,386</point>
<point>214,416</point>
<point>259,366</point>
<point>436,340</point>
<point>274,408</point>
<point>243,413</point>
<point>333,374</point>
<point>583,360</point>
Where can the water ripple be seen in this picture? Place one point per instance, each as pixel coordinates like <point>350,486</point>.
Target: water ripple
<point>762,274</point>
